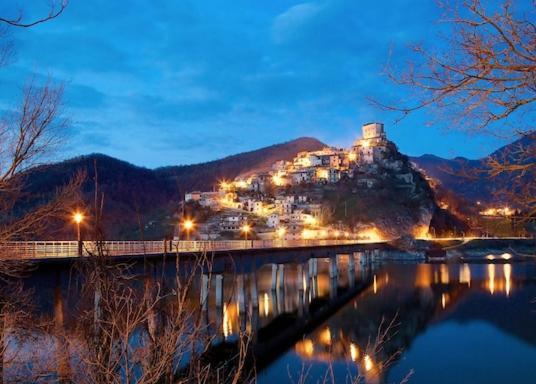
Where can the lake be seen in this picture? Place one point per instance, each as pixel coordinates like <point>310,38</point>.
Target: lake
<point>467,323</point>
<point>374,317</point>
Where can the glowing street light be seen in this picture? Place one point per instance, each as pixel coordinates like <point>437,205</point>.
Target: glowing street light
<point>188,225</point>
<point>245,229</point>
<point>78,217</point>
<point>281,232</point>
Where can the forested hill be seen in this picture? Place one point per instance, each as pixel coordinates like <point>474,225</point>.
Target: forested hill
<point>141,202</point>
<point>203,176</point>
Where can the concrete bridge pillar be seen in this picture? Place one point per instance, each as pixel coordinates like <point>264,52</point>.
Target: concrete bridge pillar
<point>333,286</point>
<point>351,270</point>
<point>254,322</point>
<point>281,276</point>
<point>274,277</point>
<point>219,290</point>
<point>313,267</point>
<point>361,258</point>
<point>376,256</point>
<point>275,304</point>
<point>351,261</point>
<point>280,288</point>
<point>313,277</point>
<point>218,282</point>
<point>204,292</point>
<point>333,268</point>
<point>241,295</point>
<point>300,284</point>
<point>253,290</point>
<point>300,277</point>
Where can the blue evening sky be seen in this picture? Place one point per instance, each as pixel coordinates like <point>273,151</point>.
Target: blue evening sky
<point>174,82</point>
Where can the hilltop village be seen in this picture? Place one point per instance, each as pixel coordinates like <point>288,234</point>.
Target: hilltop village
<point>292,199</point>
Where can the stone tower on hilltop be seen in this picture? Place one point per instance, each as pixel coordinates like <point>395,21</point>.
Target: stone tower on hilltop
<point>372,145</point>
<point>373,131</point>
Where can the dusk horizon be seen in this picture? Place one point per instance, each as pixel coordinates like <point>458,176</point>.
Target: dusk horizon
<point>65,157</point>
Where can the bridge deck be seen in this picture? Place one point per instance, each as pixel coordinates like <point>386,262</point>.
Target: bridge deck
<point>62,249</point>
<point>70,249</point>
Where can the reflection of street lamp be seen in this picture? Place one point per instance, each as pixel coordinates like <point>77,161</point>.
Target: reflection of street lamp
<point>188,225</point>
<point>368,363</point>
<point>245,230</point>
<point>78,217</point>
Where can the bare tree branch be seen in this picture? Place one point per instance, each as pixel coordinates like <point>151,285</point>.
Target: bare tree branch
<point>54,11</point>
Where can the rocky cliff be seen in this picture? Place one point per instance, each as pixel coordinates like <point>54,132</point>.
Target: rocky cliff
<point>390,195</point>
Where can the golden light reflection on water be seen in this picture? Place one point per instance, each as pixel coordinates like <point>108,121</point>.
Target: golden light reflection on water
<point>367,362</point>
<point>447,284</point>
<point>305,348</point>
<point>444,274</point>
<point>491,278</point>
<point>423,276</point>
<point>325,336</point>
<point>354,352</point>
<point>227,326</point>
<point>465,274</point>
<point>265,310</point>
<point>507,270</point>
<point>445,298</point>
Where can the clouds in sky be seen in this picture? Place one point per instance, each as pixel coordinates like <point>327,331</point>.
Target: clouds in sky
<point>174,82</point>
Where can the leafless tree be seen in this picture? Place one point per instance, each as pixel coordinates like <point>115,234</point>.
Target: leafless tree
<point>483,81</point>
<point>29,136</point>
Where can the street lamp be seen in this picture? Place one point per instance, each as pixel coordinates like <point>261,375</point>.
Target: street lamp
<point>78,217</point>
<point>245,230</point>
<point>188,225</point>
<point>281,232</point>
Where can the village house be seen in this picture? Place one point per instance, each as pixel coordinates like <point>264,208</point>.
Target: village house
<point>232,223</point>
<point>192,196</point>
<point>273,220</point>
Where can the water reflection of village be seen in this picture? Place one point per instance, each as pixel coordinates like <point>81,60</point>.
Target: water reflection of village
<point>231,297</point>
<point>400,304</point>
<point>249,298</point>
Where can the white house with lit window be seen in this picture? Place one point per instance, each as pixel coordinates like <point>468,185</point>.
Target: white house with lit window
<point>273,220</point>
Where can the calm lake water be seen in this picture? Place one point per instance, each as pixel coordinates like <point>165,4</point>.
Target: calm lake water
<point>329,319</point>
<point>461,323</point>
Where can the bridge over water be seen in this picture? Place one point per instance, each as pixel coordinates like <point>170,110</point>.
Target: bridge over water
<point>274,294</point>
<point>70,249</point>
<point>275,291</point>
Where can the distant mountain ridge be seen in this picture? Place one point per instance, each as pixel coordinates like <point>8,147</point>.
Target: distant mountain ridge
<point>143,203</point>
<point>469,179</point>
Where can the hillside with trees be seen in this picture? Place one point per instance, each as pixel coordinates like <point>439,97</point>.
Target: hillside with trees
<point>139,202</point>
